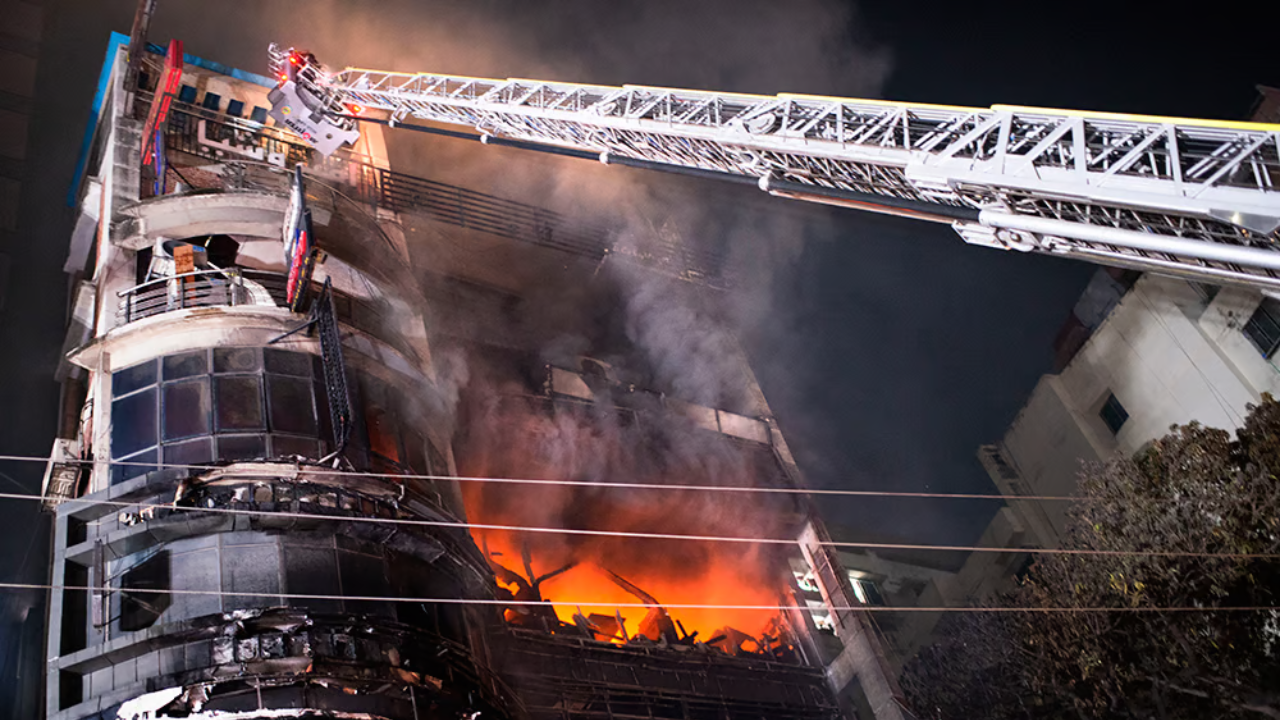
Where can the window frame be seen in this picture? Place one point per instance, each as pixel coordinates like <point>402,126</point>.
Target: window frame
<point>1267,313</point>
<point>1111,409</point>
<point>155,450</point>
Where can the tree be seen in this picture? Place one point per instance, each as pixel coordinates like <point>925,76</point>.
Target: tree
<point>1194,491</point>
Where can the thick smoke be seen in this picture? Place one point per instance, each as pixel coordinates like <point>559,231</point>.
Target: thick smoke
<point>687,336</point>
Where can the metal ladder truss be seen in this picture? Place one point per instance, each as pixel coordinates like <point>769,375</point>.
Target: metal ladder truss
<point>1196,198</point>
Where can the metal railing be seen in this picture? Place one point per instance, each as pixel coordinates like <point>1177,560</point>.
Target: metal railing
<point>204,288</point>
<point>223,138</point>
<point>240,287</point>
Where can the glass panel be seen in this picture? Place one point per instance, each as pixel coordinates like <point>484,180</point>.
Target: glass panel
<point>186,365</point>
<point>185,409</point>
<point>251,569</point>
<point>187,94</point>
<point>1263,327</point>
<point>242,447</point>
<point>133,423</point>
<point>312,571</point>
<point>290,405</point>
<point>236,360</point>
<point>239,402</point>
<point>282,445</point>
<point>191,452</point>
<point>145,464</point>
<point>1114,414</point>
<point>130,379</point>
<point>285,362</point>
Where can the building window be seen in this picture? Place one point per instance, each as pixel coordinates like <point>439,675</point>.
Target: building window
<point>235,108</point>
<point>187,94</point>
<point>866,591</point>
<point>144,592</point>
<point>259,115</point>
<point>229,404</point>
<point>212,101</point>
<point>1263,327</point>
<point>1113,413</point>
<point>393,446</point>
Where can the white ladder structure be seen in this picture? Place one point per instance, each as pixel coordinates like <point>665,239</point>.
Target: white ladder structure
<point>1192,198</point>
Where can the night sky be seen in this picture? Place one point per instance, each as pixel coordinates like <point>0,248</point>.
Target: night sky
<point>888,348</point>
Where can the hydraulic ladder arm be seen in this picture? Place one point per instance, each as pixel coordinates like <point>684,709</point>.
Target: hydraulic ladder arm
<point>1194,198</point>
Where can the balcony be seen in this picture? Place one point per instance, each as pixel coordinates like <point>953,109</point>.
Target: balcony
<point>232,287</point>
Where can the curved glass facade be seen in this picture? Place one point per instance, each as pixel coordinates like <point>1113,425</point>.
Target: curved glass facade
<point>224,404</point>
<point>252,403</point>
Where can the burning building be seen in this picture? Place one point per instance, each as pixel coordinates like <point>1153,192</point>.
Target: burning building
<point>324,453</point>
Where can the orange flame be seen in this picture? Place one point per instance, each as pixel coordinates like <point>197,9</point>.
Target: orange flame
<point>518,439</point>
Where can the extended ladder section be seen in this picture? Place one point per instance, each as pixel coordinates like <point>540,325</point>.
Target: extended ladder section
<point>1195,198</point>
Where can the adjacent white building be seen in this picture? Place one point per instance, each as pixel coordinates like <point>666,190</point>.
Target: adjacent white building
<point>1170,352</point>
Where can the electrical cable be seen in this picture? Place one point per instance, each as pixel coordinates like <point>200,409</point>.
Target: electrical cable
<point>325,471</point>
<point>455,524</point>
<point>679,606</point>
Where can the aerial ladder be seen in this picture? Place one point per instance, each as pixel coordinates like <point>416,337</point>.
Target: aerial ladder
<point>1191,198</point>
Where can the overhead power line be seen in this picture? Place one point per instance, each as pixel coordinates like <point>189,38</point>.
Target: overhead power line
<point>747,489</point>
<point>457,524</point>
<point>676,606</point>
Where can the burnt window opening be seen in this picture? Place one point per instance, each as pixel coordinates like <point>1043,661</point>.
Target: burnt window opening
<point>389,441</point>
<point>1263,327</point>
<point>144,592</point>
<point>70,689</point>
<point>75,608</point>
<point>1113,414</point>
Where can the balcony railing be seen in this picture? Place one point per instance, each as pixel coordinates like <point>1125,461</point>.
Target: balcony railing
<point>204,288</point>
<point>212,136</point>
<point>241,287</point>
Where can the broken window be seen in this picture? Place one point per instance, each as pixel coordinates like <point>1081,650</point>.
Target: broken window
<point>144,592</point>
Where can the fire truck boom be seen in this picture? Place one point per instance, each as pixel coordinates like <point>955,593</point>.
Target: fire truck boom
<point>1186,197</point>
